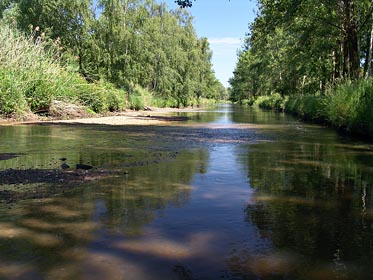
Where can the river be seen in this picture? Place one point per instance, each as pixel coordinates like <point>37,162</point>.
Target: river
<point>232,193</point>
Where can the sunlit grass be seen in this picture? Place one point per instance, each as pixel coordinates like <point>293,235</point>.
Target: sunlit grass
<point>32,76</point>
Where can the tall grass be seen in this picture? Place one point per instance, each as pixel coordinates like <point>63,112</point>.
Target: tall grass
<point>347,106</point>
<point>350,106</point>
<point>308,107</point>
<point>31,77</point>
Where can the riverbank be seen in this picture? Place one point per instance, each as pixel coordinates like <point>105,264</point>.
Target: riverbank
<point>151,116</point>
<point>346,107</point>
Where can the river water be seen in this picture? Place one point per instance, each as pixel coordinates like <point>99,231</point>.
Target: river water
<point>233,193</point>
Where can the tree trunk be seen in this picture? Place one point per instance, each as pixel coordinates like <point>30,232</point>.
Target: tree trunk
<point>369,61</point>
<point>351,57</point>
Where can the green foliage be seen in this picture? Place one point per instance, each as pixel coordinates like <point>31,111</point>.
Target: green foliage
<point>136,102</point>
<point>248,102</point>
<point>158,50</point>
<point>129,43</point>
<point>309,52</point>
<point>115,99</point>
<point>274,102</point>
<point>299,47</point>
<point>95,100</point>
<point>349,106</point>
<point>31,77</point>
<point>30,74</point>
<point>140,46</point>
<point>12,99</point>
<point>308,107</point>
<point>139,98</point>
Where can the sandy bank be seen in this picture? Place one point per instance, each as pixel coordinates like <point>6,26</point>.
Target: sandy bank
<point>156,116</point>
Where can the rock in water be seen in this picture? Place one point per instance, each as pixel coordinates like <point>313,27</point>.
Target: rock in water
<point>83,166</point>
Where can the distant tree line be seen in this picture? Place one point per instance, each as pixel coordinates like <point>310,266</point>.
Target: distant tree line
<point>128,43</point>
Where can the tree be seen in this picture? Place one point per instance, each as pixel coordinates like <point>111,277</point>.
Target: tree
<point>68,21</point>
<point>299,47</point>
<point>130,43</point>
<point>370,53</point>
<point>184,3</point>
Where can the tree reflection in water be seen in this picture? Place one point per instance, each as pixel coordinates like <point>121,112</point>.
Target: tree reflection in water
<point>268,199</point>
<point>313,202</point>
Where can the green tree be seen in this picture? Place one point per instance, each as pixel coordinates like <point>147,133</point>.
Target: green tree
<point>298,47</point>
<point>129,43</point>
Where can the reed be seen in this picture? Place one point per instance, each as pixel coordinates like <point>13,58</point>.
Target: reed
<point>32,76</point>
<point>349,106</point>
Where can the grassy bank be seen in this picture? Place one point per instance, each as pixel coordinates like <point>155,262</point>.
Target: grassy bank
<point>348,106</point>
<point>33,75</point>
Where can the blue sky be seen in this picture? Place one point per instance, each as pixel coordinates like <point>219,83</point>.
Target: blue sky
<point>225,24</point>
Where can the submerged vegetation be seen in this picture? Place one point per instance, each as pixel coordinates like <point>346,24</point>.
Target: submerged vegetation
<point>312,58</point>
<point>105,55</point>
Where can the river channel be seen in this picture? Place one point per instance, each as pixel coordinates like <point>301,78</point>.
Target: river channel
<point>231,193</point>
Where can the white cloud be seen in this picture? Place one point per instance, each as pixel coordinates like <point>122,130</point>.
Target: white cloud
<point>225,41</point>
<point>225,46</point>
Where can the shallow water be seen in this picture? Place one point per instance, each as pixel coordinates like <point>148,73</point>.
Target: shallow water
<point>233,193</point>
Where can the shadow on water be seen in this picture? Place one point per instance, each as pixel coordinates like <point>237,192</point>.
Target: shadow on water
<point>313,201</point>
<point>96,230</point>
<point>230,194</point>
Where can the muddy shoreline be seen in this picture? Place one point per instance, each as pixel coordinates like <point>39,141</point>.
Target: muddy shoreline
<point>152,116</point>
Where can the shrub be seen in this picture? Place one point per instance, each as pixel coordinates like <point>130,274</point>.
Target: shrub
<point>350,106</point>
<point>32,76</point>
<point>136,102</point>
<point>12,100</point>
<point>307,107</point>
<point>248,102</point>
<point>272,102</point>
<point>115,100</point>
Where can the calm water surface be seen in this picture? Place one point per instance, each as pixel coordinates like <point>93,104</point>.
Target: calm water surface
<point>233,193</point>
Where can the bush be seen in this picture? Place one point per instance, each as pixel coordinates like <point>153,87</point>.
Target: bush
<point>206,102</point>
<point>31,77</point>
<point>307,107</point>
<point>115,100</point>
<point>272,102</point>
<point>12,100</point>
<point>248,102</point>
<point>95,100</point>
<point>136,102</point>
<point>350,106</point>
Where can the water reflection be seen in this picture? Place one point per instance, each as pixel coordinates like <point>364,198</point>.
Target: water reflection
<point>234,193</point>
<point>311,201</point>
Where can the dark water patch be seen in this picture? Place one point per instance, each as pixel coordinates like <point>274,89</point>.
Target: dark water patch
<point>42,183</point>
<point>6,156</point>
